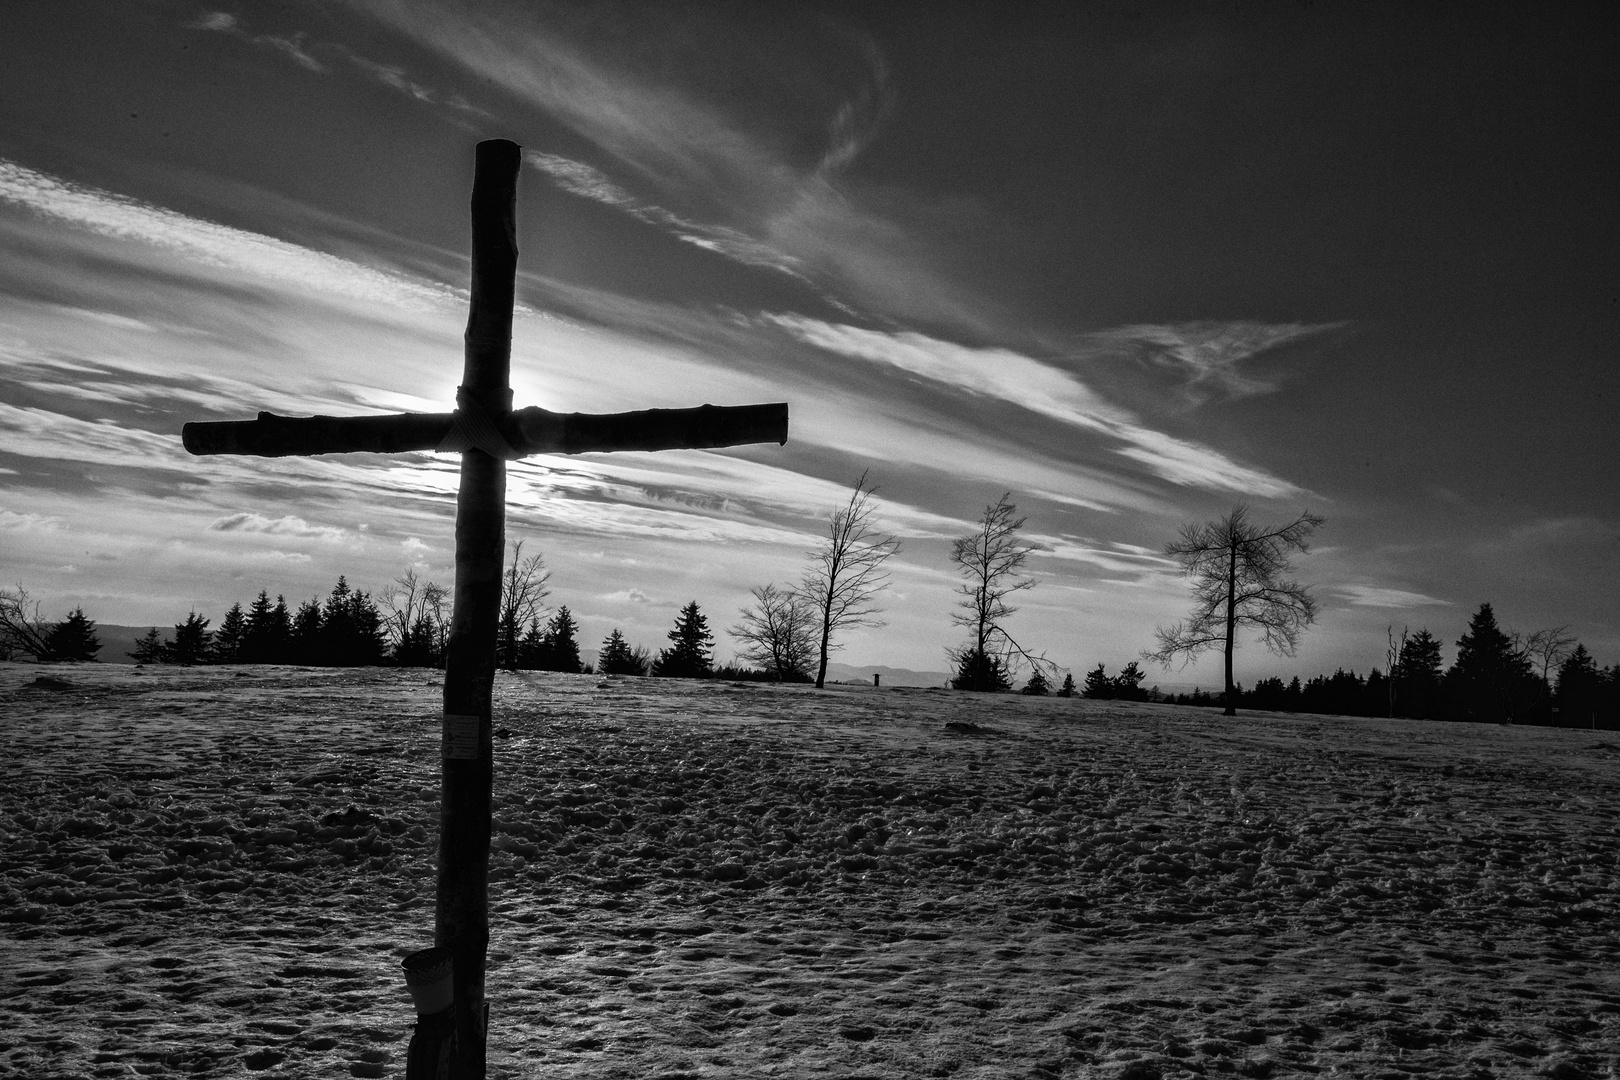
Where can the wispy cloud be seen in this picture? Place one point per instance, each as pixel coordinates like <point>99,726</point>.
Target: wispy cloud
<point>627,596</point>
<point>1377,596</point>
<point>301,50</point>
<point>1207,355</point>
<point>1010,376</point>
<point>204,242</point>
<point>12,521</point>
<point>731,174</point>
<point>292,46</point>
<point>583,180</point>
<point>248,522</point>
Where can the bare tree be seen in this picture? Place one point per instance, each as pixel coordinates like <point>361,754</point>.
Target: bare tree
<point>523,594</point>
<point>415,621</point>
<point>1543,649</point>
<point>22,630</point>
<point>991,558</point>
<point>847,572</point>
<point>1238,572</point>
<point>779,634</point>
<point>1392,660</point>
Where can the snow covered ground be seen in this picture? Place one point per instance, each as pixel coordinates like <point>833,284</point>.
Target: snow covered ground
<point>215,872</point>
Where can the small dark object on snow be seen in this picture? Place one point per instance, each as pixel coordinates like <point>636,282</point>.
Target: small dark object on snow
<point>503,733</point>
<point>45,682</point>
<point>965,728</point>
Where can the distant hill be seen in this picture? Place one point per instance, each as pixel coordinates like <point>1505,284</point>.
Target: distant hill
<point>892,676</point>
<point>117,641</point>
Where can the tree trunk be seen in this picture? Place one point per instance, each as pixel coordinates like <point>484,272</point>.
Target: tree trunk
<point>461,917</point>
<point>1231,629</point>
<point>826,635</point>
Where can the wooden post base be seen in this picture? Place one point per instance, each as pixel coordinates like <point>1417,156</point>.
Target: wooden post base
<point>432,1054</point>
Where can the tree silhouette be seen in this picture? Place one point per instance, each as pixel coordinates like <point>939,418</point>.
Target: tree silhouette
<point>74,638</point>
<point>688,656</point>
<point>1067,689</point>
<point>779,634</point>
<point>533,651</point>
<point>523,592</point>
<point>190,642</point>
<point>1098,685</point>
<point>304,637</point>
<point>149,648</point>
<point>1546,651</point>
<point>415,618</point>
<point>847,571</point>
<point>1128,683</point>
<point>991,558</point>
<point>1237,570</point>
<point>618,658</point>
<point>21,628</point>
<point>1419,671</point>
<point>1491,679</point>
<point>1037,686</point>
<point>230,637</point>
<point>1579,683</point>
<point>561,643</point>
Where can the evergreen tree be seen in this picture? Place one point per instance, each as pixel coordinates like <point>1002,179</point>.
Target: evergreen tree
<point>1067,689</point>
<point>1128,683</point>
<point>618,658</point>
<point>611,657</point>
<point>278,634</point>
<point>533,650</point>
<point>149,649</point>
<point>337,626</point>
<point>255,637</point>
<point>1490,680</point>
<point>74,638</point>
<point>230,640</point>
<point>562,642</point>
<point>368,635</point>
<point>1098,684</point>
<point>980,670</point>
<point>190,642</point>
<point>1418,672</point>
<point>304,635</point>
<point>1269,694</point>
<point>1038,686</point>
<point>1375,698</point>
<point>688,656</point>
<point>1579,686</point>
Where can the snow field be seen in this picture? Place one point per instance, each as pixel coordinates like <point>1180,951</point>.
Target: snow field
<point>215,871</point>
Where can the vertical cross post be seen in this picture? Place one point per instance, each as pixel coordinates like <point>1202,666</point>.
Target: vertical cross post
<point>461,915</point>
<point>486,431</point>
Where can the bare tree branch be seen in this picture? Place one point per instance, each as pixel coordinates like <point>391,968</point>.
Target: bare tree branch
<point>847,572</point>
<point>1237,581</point>
<point>779,634</point>
<point>523,592</point>
<point>21,627</point>
<point>991,559</point>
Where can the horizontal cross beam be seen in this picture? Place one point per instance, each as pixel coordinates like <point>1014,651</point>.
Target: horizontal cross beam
<point>529,431</point>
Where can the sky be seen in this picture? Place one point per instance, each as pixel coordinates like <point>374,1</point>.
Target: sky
<point>1133,264</point>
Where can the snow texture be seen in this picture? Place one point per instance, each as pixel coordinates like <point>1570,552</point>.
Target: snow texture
<point>215,872</point>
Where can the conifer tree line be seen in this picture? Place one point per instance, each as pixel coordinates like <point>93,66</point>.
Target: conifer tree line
<point>409,627</point>
<point>1238,571</point>
<point>1497,676</point>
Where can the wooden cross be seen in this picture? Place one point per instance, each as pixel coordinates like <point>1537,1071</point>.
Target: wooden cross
<point>487,431</point>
